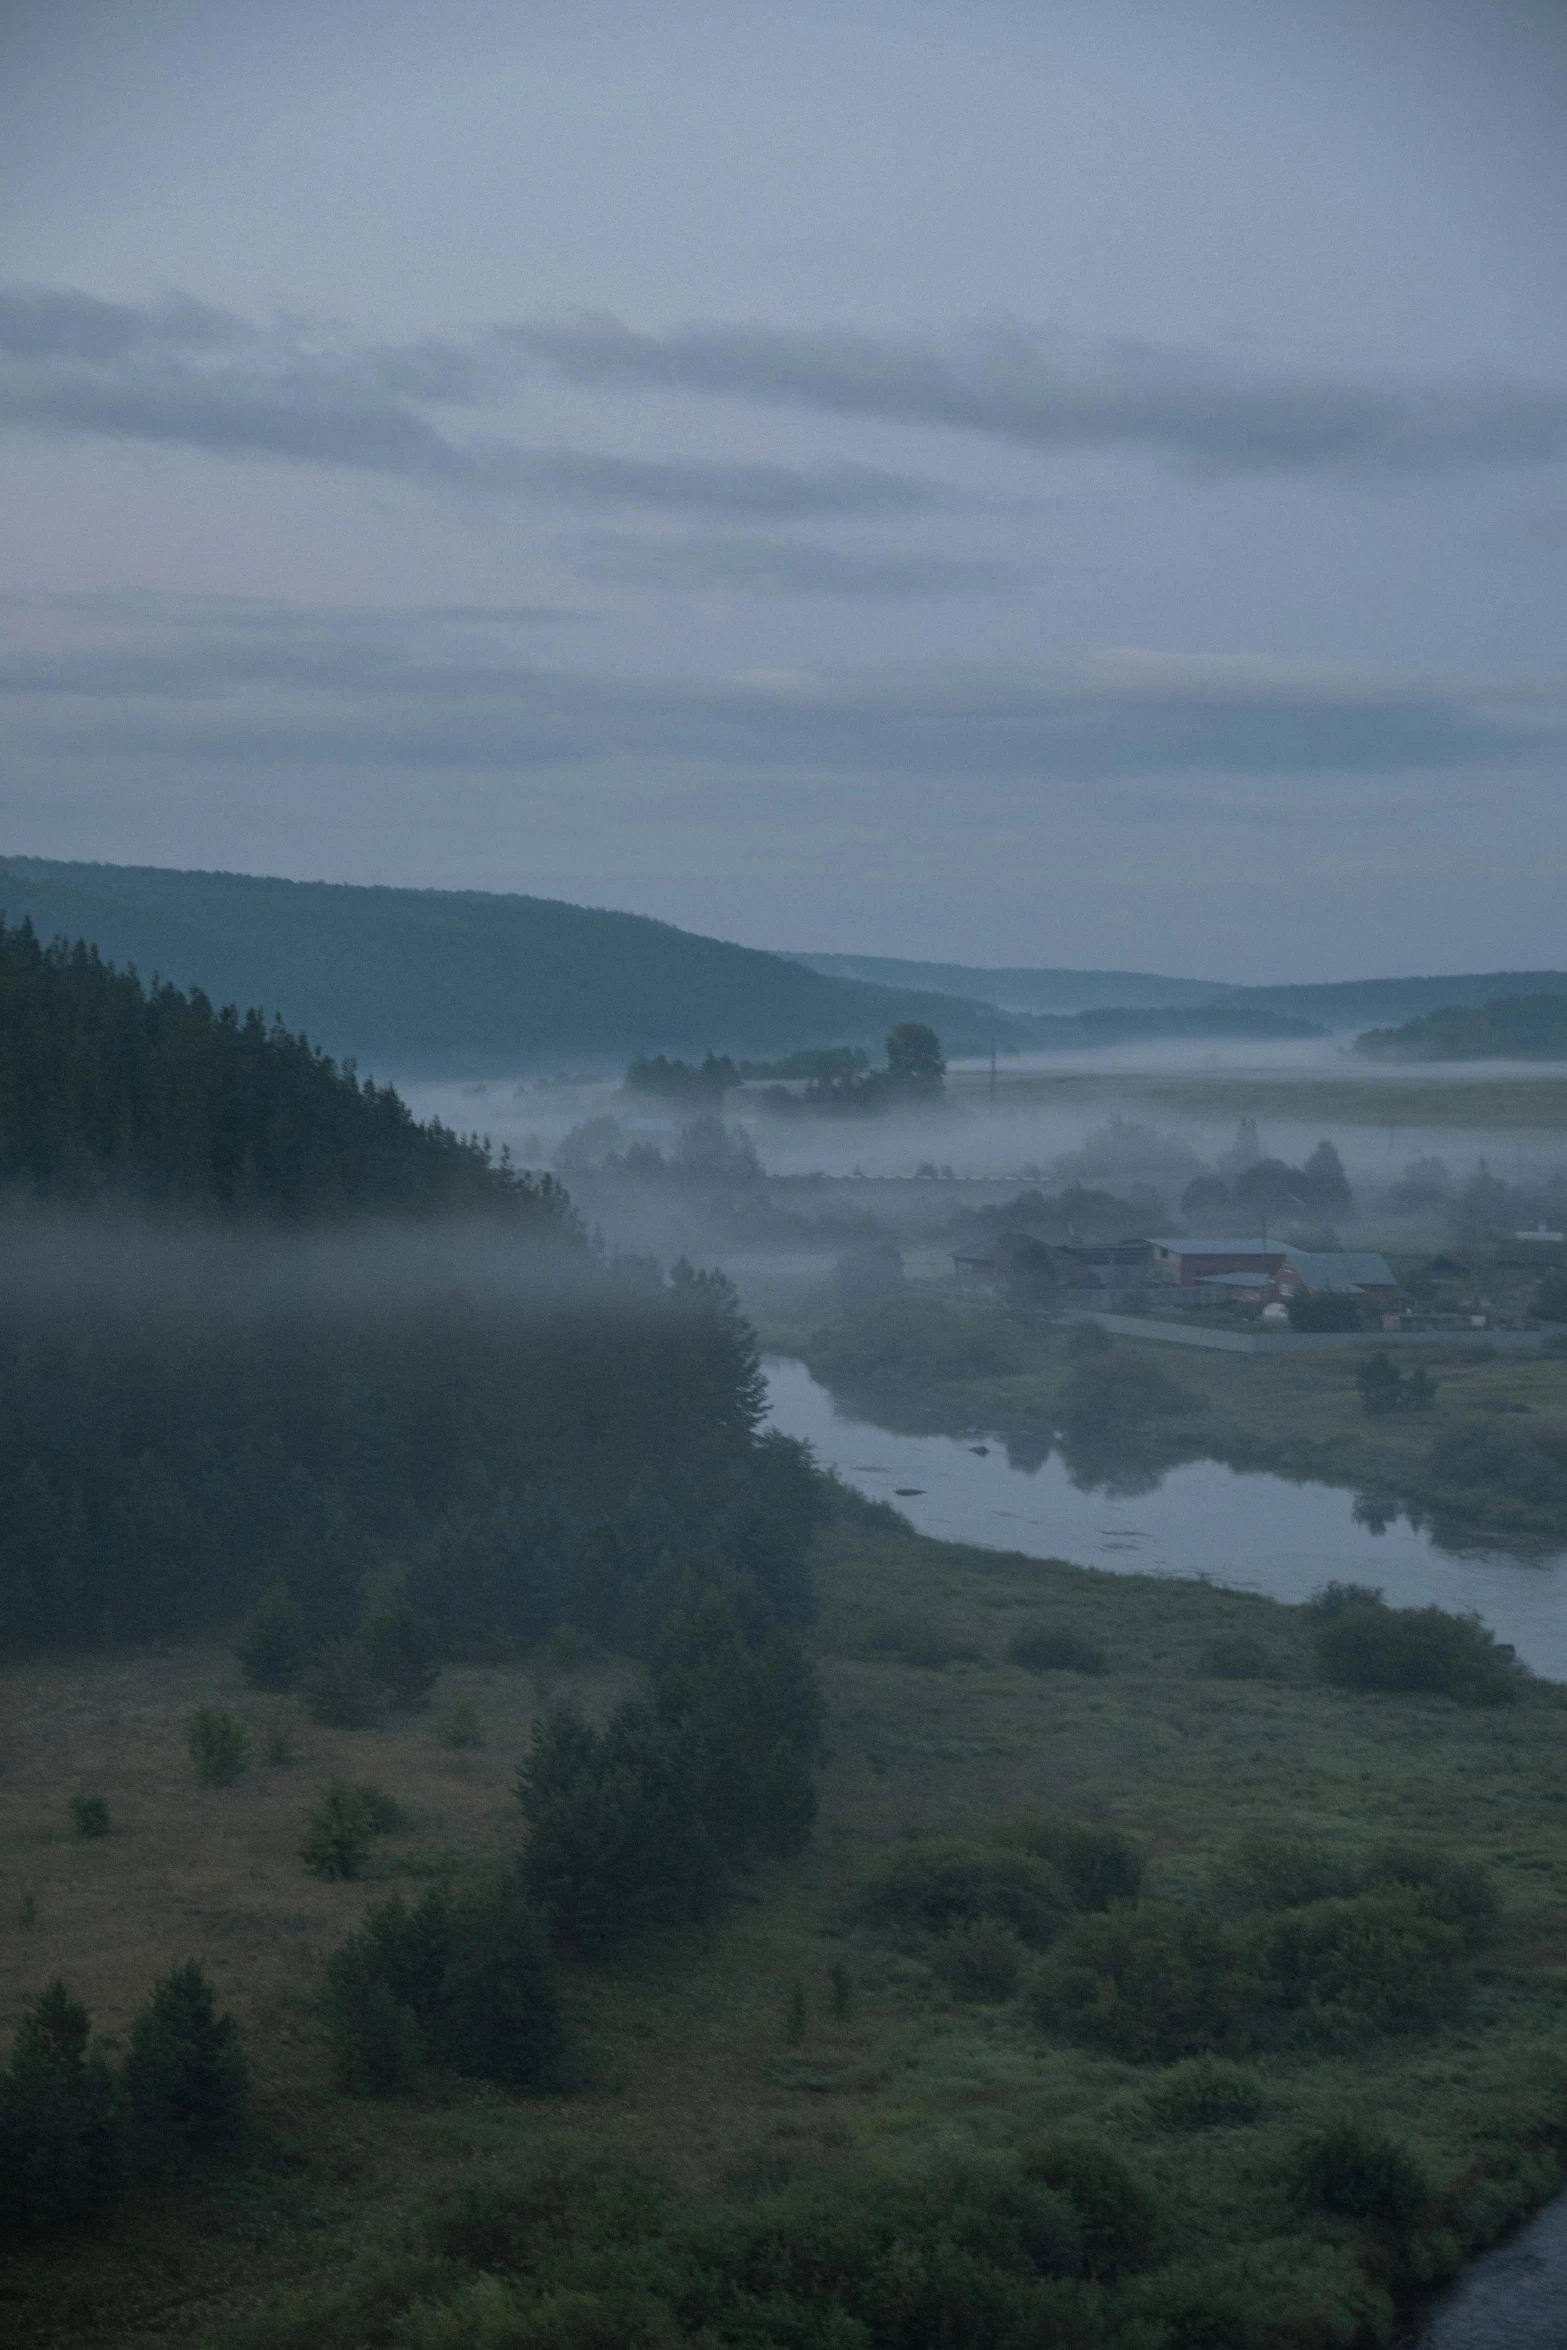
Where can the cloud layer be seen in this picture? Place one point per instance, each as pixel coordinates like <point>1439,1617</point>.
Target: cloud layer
<point>186,373</point>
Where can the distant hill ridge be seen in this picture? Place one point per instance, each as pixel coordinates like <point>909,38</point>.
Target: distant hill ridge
<point>456,983</point>
<point>1338,1004</point>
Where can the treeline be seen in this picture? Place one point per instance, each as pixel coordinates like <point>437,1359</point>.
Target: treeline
<point>110,1089</point>
<point>1513,1028</point>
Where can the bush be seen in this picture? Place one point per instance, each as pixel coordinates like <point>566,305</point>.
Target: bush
<point>337,1831</point>
<point>1099,1865</point>
<point>1265,1871</point>
<point>923,1641</point>
<point>62,2136</point>
<point>273,1642</point>
<point>1151,1984</point>
<point>219,1746</point>
<point>1235,1656</point>
<point>1052,1649</point>
<point>1117,2216</point>
<point>385,1814</point>
<point>1104,1392</point>
<point>980,1960</point>
<point>932,1887</point>
<point>1356,2171</point>
<point>1207,2093</point>
<point>187,2086</point>
<point>1456,1893</point>
<point>338,1688</point>
<point>402,1653</point>
<point>90,1815</point>
<point>459,1726</point>
<point>1419,1650</point>
<point>1331,1599</point>
<point>1374,1962</point>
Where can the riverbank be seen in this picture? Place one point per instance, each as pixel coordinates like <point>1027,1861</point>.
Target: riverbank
<point>1486,1462</point>
<point>700,2059</point>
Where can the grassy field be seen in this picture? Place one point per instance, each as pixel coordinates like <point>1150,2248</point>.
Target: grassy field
<point>1505,1104</point>
<point>687,2055</point>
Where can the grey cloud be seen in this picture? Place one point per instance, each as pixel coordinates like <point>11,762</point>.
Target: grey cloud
<point>1050,392</point>
<point>180,373</point>
<point>781,567</point>
<point>276,691</point>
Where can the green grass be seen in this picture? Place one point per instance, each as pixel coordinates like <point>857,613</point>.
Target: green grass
<point>696,2054</point>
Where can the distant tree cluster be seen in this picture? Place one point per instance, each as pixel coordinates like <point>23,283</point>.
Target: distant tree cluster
<point>1269,1188</point>
<point>694,1086</point>
<point>1512,1028</point>
<point>915,1072</point>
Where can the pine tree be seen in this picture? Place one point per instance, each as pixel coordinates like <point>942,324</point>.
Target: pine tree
<point>62,2129</point>
<point>273,1641</point>
<point>402,1652</point>
<point>186,2080</point>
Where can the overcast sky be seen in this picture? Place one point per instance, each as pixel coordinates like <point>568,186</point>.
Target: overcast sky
<point>1068,483</point>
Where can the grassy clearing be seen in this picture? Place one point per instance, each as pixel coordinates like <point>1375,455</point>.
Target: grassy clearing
<point>694,2059</point>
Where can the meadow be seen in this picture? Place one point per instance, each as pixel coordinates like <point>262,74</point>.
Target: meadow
<point>794,2040</point>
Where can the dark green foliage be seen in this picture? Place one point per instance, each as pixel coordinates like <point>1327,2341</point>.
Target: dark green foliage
<point>1098,1865</point>
<point>1207,2093</point>
<point>1328,1311</point>
<point>219,1746</point>
<point>1503,1475</point>
<point>1152,1983</point>
<point>1236,1656</point>
<point>1106,1392</point>
<point>1118,2218</point>
<point>901,1340</point>
<point>62,2131</point>
<point>932,1887</point>
<point>496,2016</point>
<point>982,1959</point>
<point>384,1813</point>
<point>90,1815</point>
<point>1512,1028</point>
<point>1456,1893</point>
<point>1269,1871</point>
<point>1355,2170</point>
<point>459,1727</point>
<point>924,1641</point>
<point>402,1653</point>
<point>187,2086</point>
<point>1550,1299</point>
<point>1417,1650</point>
<point>273,1641</point>
<point>338,1687</point>
<point>1052,1649</point>
<point>338,1832</point>
<point>280,1734</point>
<point>679,1081</point>
<point>1344,1968</point>
<point>1383,1388</point>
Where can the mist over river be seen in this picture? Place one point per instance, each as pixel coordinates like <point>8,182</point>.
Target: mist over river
<point>1250,1530</point>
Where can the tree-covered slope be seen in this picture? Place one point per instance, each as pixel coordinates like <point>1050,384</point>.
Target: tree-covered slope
<point>461,983</point>
<point>1514,1028</point>
<point>113,1089</point>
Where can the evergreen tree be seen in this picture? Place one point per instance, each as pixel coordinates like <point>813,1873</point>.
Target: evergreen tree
<point>62,2127</point>
<point>402,1652</point>
<point>187,2084</point>
<point>273,1641</point>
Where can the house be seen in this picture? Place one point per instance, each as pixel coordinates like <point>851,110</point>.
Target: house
<point>1247,1270</point>
<point>987,1264</point>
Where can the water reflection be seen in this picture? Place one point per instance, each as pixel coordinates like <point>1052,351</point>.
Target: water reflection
<point>1023,1490</point>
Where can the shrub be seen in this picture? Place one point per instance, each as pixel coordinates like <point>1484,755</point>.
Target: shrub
<point>932,1887</point>
<point>1375,1962</point>
<point>338,1688</point>
<point>1117,2216</point>
<point>219,1746</point>
<point>1331,1599</point>
<point>1207,2093</point>
<point>1235,1656</point>
<point>1550,1299</point>
<point>1151,1984</point>
<point>273,1642</point>
<point>1420,1650</point>
<point>385,1814</point>
<point>1457,1893</point>
<point>90,1815</point>
<point>378,2048</point>
<point>1051,1648</point>
<point>1356,2171</point>
<point>187,2086</point>
<point>1267,1871</point>
<point>1099,1865</point>
<point>923,1641</point>
<point>402,1653</point>
<point>62,2136</point>
<point>337,1831</point>
<point>459,1726</point>
<point>1116,1391</point>
<point>980,1960</point>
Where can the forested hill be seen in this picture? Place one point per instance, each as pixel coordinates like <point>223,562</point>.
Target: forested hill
<point>426,983</point>
<point>113,1089</point>
<point>1515,1028</point>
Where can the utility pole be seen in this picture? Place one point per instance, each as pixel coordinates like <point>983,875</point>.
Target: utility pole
<point>992,1073</point>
